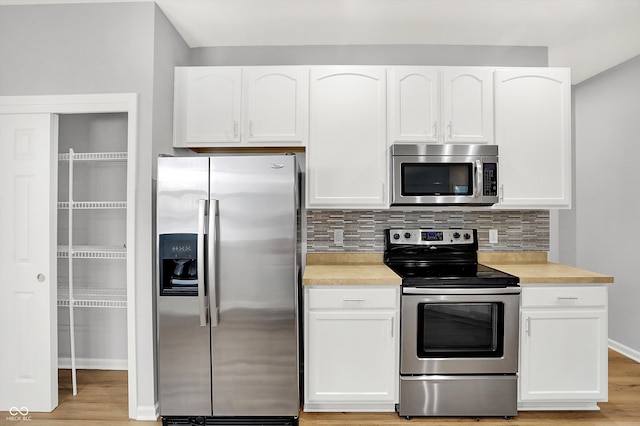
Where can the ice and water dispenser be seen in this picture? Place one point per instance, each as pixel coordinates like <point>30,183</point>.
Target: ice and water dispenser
<point>178,255</point>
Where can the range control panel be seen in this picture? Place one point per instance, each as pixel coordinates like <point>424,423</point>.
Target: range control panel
<point>431,236</point>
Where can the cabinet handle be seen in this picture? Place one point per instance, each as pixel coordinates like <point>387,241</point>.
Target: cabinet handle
<point>235,128</point>
<point>527,326</point>
<point>352,299</point>
<point>502,192</point>
<point>435,129</point>
<point>567,298</point>
<point>250,128</point>
<point>450,130</point>
<point>392,325</point>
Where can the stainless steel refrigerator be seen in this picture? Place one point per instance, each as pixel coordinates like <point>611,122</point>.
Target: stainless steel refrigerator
<point>228,277</point>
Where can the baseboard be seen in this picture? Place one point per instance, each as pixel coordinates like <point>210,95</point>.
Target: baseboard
<point>94,363</point>
<point>624,350</point>
<point>148,413</point>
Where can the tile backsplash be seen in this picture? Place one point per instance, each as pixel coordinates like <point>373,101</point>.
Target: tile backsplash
<point>526,230</point>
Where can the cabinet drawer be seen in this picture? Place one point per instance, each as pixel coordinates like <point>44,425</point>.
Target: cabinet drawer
<point>352,298</point>
<point>564,296</point>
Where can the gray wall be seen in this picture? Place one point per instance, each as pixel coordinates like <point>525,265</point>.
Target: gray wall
<point>372,55</point>
<point>94,48</point>
<point>606,211</point>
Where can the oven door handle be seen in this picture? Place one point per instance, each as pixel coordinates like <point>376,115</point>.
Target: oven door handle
<point>461,291</point>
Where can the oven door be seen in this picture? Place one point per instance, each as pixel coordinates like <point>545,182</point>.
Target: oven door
<point>460,331</point>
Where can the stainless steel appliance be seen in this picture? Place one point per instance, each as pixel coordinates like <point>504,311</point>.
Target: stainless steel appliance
<point>228,276</point>
<point>425,174</point>
<point>459,326</point>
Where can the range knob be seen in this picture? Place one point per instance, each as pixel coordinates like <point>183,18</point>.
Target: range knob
<point>407,235</point>
<point>467,236</point>
<point>456,235</point>
<point>396,236</point>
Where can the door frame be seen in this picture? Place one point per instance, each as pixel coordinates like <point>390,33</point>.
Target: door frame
<point>89,104</point>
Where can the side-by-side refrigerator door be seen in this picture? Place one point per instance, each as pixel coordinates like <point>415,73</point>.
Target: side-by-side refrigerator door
<point>253,278</point>
<point>183,329</point>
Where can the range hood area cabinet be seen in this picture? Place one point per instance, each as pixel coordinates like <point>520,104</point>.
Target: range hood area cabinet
<point>347,117</point>
<point>441,105</point>
<point>235,107</point>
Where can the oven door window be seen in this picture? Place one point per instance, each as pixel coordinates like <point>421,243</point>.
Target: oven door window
<point>460,330</point>
<point>424,179</point>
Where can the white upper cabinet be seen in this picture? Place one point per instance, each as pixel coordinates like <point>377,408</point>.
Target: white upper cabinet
<point>533,131</point>
<point>347,152</point>
<point>441,105</point>
<point>207,106</point>
<point>414,96</point>
<point>232,106</point>
<point>275,105</point>
<point>467,105</point>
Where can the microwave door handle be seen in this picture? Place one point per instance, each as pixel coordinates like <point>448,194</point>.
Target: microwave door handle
<point>202,207</point>
<point>478,189</point>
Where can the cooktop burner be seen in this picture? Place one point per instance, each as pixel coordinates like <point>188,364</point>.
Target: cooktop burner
<point>426,258</point>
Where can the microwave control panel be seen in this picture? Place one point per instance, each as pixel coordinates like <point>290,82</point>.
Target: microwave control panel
<point>490,179</point>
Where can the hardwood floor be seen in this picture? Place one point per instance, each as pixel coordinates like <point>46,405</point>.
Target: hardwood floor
<point>102,401</point>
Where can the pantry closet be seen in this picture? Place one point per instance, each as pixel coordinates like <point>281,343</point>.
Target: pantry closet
<point>68,177</point>
<point>92,252</point>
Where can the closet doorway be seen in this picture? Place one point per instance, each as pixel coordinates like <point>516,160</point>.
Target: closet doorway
<point>36,360</point>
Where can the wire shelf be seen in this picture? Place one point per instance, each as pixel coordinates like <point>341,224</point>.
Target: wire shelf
<point>92,252</point>
<point>95,205</point>
<point>87,297</point>
<point>93,156</point>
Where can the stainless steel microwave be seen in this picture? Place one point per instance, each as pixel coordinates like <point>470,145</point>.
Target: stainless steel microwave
<point>430,174</point>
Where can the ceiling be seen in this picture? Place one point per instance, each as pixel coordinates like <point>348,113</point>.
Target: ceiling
<point>589,36</point>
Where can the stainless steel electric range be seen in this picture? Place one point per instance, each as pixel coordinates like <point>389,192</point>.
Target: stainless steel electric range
<point>459,326</point>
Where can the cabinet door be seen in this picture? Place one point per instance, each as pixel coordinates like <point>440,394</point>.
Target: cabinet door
<point>275,105</point>
<point>563,355</point>
<point>467,105</point>
<point>351,356</point>
<point>414,111</point>
<point>347,154</point>
<point>533,130</point>
<point>207,105</point>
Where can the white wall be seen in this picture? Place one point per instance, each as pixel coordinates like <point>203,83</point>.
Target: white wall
<point>606,209</point>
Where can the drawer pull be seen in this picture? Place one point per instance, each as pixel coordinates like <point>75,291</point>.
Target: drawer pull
<point>567,298</point>
<point>352,299</point>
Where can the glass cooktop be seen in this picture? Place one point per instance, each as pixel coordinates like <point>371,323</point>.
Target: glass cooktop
<point>459,275</point>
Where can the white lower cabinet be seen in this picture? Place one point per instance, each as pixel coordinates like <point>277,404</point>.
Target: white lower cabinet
<point>351,348</point>
<point>563,347</point>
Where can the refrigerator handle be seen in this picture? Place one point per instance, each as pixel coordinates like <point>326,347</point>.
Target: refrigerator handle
<point>211,261</point>
<point>202,207</point>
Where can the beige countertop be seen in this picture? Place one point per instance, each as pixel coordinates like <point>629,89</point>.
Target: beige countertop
<point>368,269</point>
<point>348,269</point>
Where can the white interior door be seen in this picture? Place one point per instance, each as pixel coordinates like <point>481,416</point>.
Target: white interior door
<point>28,215</point>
